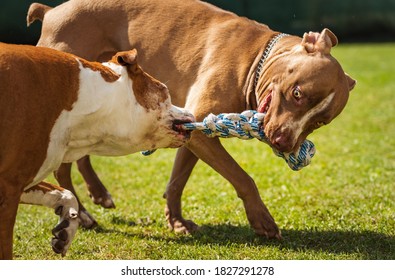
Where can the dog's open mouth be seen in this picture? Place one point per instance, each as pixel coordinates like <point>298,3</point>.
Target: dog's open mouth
<point>265,105</point>
<point>178,126</point>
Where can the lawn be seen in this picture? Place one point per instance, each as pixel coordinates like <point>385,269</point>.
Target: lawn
<point>340,207</point>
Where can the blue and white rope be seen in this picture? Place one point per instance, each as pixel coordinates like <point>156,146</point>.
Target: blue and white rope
<point>248,125</point>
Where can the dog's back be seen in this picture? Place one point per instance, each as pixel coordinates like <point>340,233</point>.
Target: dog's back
<point>177,40</point>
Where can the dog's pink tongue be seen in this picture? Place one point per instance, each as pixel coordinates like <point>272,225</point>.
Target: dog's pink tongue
<point>264,106</point>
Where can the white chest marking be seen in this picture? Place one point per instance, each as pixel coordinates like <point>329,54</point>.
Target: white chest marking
<point>105,120</point>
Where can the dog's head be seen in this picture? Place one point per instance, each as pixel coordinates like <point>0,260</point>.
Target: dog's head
<point>303,87</point>
<point>157,119</point>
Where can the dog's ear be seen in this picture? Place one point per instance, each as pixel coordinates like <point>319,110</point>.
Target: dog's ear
<point>319,42</point>
<point>127,58</point>
<point>351,82</point>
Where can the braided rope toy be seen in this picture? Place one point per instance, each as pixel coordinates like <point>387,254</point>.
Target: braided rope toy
<point>247,125</point>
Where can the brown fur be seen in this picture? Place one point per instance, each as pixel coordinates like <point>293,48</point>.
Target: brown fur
<point>107,74</point>
<point>142,82</point>
<point>37,84</point>
<point>36,11</point>
<point>207,57</point>
<point>26,120</point>
<point>45,187</point>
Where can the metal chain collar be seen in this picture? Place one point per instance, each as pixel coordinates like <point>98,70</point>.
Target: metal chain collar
<point>265,55</point>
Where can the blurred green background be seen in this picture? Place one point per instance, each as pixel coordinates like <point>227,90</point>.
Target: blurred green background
<point>351,20</point>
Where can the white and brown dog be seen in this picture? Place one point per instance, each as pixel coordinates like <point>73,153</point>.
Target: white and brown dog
<point>56,107</point>
<point>214,62</point>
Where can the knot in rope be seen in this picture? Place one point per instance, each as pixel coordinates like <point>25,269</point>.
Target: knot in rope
<point>248,125</point>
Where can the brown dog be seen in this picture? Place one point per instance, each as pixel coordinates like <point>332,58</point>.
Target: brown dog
<point>213,61</point>
<point>56,107</point>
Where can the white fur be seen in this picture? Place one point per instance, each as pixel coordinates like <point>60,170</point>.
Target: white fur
<point>107,120</point>
<point>51,199</point>
<point>54,199</point>
<point>299,126</point>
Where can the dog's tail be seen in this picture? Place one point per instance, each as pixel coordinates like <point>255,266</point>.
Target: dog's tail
<point>36,11</point>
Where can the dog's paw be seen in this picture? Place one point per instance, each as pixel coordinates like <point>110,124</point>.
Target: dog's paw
<point>183,226</point>
<point>86,219</point>
<point>263,223</point>
<point>65,230</point>
<point>271,233</point>
<point>104,199</point>
<point>179,224</point>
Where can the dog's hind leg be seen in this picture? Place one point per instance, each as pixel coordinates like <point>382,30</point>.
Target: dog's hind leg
<point>65,205</point>
<point>63,176</point>
<point>9,200</point>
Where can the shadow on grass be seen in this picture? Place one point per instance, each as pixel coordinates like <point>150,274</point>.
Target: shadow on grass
<point>370,245</point>
<point>367,244</point>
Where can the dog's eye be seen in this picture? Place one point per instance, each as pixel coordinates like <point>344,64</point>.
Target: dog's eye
<point>297,93</point>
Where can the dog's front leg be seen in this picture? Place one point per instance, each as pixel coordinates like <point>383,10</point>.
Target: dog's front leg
<point>65,205</point>
<point>214,154</point>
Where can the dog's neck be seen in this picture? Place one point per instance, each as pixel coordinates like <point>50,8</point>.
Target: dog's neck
<point>254,97</point>
<point>265,56</point>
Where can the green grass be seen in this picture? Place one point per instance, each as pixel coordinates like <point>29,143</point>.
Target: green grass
<point>340,207</point>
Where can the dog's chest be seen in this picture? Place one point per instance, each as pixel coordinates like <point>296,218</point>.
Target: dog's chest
<point>106,119</point>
